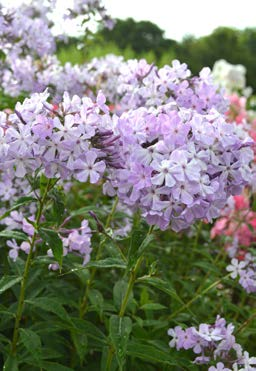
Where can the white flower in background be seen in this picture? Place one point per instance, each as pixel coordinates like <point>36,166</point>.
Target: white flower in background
<point>230,76</point>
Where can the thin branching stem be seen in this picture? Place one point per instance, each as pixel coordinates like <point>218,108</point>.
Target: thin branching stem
<point>26,270</point>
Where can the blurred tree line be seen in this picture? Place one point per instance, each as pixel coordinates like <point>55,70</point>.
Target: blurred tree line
<point>145,39</point>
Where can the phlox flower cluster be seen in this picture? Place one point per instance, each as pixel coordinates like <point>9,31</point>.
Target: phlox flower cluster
<point>178,165</point>
<point>213,344</point>
<point>126,84</point>
<point>88,7</point>
<point>28,40</point>
<point>136,83</point>
<point>25,30</point>
<point>245,270</point>
<point>246,119</point>
<point>238,223</point>
<point>21,222</point>
<point>27,75</point>
<point>237,109</point>
<point>73,139</point>
<point>75,241</point>
<point>28,28</point>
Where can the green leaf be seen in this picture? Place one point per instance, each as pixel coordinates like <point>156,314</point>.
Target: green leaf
<point>107,263</point>
<point>119,293</point>
<point>81,344</point>
<point>7,282</point>
<point>155,323</point>
<point>54,241</point>
<point>50,305</point>
<point>90,330</point>
<point>57,209</point>
<point>138,349</point>
<point>14,234</point>
<point>85,210</point>
<point>44,183</point>
<point>152,306</point>
<point>138,244</point>
<point>17,204</point>
<point>11,364</point>
<point>206,266</point>
<point>32,343</point>
<point>53,366</point>
<point>161,285</point>
<point>119,332</point>
<point>253,203</point>
<point>149,238</point>
<point>96,300</point>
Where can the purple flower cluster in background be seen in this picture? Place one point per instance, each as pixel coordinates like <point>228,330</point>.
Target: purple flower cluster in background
<point>213,343</point>
<point>135,83</point>
<point>28,40</point>
<point>75,241</point>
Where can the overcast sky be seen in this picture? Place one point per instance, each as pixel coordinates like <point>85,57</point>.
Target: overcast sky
<point>180,17</point>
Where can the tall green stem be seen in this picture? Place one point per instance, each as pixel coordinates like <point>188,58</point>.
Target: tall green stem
<point>126,297</point>
<point>132,279</point>
<point>26,271</point>
<point>246,323</point>
<point>83,306</point>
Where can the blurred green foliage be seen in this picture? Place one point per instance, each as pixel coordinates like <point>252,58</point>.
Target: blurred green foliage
<point>146,40</point>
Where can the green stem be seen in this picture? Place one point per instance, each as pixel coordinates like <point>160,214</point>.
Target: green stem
<point>124,303</point>
<point>26,271</point>
<point>132,279</point>
<point>188,304</point>
<point>110,358</point>
<point>130,286</point>
<point>111,214</point>
<point>219,255</point>
<point>198,232</point>
<point>83,305</point>
<point>246,323</point>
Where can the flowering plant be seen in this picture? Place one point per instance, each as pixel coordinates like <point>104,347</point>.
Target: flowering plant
<point>109,179</point>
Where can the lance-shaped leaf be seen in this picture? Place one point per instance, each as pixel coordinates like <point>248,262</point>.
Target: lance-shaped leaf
<point>54,242</point>
<point>119,332</point>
